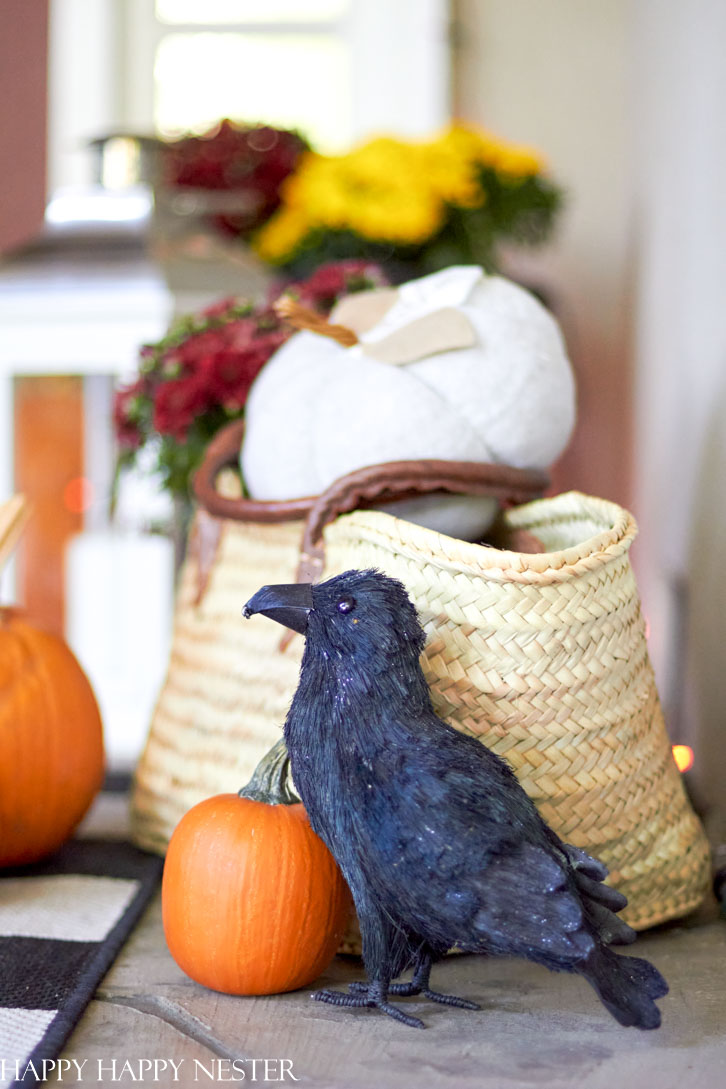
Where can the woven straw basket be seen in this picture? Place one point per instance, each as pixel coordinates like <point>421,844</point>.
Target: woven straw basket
<point>544,658</point>
<point>228,685</point>
<point>541,656</point>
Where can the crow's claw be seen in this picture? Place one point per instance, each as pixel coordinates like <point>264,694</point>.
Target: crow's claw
<point>451,1000</point>
<point>410,990</point>
<point>340,998</point>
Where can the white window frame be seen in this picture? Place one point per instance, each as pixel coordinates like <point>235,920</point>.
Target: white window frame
<point>400,74</point>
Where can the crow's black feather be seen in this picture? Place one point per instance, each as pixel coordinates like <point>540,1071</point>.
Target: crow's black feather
<point>440,845</point>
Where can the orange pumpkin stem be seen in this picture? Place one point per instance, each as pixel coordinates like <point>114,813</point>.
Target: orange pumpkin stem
<point>270,779</point>
<point>303,317</point>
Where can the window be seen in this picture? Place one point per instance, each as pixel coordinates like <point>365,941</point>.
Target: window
<point>338,70</point>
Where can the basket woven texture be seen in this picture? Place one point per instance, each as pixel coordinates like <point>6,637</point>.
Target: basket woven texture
<point>543,657</point>
<point>228,687</point>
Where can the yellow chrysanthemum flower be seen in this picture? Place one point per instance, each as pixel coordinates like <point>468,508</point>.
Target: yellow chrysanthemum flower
<point>399,217</point>
<point>380,190</point>
<point>518,162</point>
<point>452,174</point>
<point>281,235</point>
<point>481,146</point>
<point>390,190</point>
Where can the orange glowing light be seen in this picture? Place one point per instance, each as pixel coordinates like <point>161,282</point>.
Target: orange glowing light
<point>78,494</point>
<point>683,756</point>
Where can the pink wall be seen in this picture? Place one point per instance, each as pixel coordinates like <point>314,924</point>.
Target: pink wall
<point>23,108</point>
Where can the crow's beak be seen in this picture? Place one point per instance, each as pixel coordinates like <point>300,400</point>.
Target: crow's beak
<point>287,604</point>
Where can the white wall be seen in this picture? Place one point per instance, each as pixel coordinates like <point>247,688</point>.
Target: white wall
<point>628,99</point>
<point>680,455</point>
<point>556,75</point>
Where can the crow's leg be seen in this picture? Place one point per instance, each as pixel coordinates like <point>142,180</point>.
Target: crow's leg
<point>381,938</point>
<point>372,994</point>
<point>420,985</point>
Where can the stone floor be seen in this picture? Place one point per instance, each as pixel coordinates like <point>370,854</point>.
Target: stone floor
<point>535,1029</point>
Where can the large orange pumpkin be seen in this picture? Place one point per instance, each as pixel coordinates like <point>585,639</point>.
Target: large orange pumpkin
<point>252,900</point>
<point>51,742</point>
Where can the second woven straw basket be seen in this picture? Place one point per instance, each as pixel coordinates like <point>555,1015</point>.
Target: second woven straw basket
<point>542,656</point>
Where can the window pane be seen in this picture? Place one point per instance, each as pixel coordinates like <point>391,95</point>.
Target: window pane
<point>249,11</point>
<point>280,79</point>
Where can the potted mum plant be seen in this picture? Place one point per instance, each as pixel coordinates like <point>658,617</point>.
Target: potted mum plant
<point>415,206</point>
<point>211,192</point>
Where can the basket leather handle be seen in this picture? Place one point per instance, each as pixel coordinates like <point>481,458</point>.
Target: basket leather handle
<point>223,451</point>
<point>374,484</point>
<point>396,480</point>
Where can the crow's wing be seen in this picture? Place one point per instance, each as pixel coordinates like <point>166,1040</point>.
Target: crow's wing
<point>527,906</point>
<point>458,853</point>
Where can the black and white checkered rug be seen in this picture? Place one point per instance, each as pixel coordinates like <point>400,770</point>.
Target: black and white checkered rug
<point>62,922</point>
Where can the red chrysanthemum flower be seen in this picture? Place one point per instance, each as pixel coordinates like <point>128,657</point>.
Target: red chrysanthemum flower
<point>127,415</point>
<point>177,403</point>
<point>252,160</point>
<point>200,374</point>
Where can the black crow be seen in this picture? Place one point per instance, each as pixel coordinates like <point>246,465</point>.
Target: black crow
<point>440,845</point>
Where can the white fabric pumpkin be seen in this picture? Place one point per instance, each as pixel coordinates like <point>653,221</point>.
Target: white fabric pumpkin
<point>457,365</point>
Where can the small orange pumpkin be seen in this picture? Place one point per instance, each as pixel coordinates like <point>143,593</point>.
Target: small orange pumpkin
<point>252,900</point>
<point>51,742</point>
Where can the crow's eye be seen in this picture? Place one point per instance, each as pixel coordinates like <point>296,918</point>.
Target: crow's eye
<point>346,605</point>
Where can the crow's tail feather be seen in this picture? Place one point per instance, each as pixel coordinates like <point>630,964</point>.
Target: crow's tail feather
<point>600,902</point>
<point>626,986</point>
<point>610,929</point>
